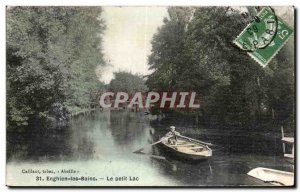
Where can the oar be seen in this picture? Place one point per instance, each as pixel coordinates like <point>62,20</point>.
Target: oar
<point>209,144</point>
<point>141,149</point>
<point>152,156</point>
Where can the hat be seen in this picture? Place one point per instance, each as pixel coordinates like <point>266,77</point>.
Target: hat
<point>172,127</point>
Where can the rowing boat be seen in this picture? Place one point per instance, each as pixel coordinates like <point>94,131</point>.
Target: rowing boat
<point>187,148</point>
<point>273,176</point>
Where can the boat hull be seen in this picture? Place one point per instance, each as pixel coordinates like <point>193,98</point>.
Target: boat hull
<point>273,176</point>
<point>170,152</point>
<point>173,154</point>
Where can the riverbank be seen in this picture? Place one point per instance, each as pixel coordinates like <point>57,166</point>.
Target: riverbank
<point>81,111</point>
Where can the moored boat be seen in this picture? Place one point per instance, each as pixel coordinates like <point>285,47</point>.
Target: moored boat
<point>273,176</point>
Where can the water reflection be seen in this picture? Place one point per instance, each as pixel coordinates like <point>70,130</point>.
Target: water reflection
<point>126,127</point>
<point>185,173</point>
<point>38,143</point>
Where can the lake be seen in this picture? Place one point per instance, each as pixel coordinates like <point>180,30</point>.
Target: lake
<point>99,148</point>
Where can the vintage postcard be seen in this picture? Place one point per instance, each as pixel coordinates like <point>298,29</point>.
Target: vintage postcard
<point>150,96</point>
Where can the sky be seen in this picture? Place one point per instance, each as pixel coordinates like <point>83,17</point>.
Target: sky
<point>127,39</point>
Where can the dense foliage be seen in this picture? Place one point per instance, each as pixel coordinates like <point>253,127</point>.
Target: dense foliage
<point>127,82</point>
<point>193,51</point>
<point>52,53</point>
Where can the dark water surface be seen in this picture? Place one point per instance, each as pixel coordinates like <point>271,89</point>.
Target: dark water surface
<point>104,142</point>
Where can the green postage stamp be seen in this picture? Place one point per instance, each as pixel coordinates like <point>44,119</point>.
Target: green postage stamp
<point>264,36</point>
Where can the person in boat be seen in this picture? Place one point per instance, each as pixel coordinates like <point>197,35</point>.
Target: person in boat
<point>172,135</point>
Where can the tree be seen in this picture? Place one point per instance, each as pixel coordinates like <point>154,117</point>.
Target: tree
<point>127,82</point>
<point>52,53</point>
<point>193,51</point>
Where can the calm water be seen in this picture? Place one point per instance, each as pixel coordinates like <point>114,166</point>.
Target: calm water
<point>102,145</point>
